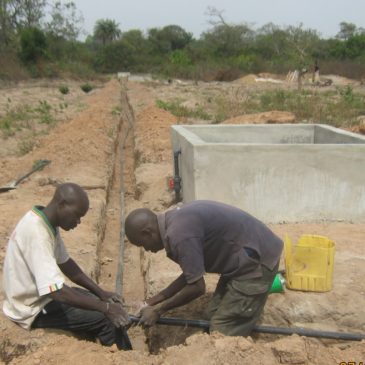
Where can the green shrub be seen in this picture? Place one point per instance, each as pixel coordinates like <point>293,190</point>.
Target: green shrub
<point>182,111</point>
<point>44,112</point>
<point>63,89</point>
<point>86,88</point>
<point>33,45</point>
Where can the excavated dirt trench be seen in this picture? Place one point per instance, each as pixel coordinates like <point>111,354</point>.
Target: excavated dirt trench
<point>120,264</point>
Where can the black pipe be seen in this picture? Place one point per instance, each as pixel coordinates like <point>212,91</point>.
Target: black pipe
<point>199,323</point>
<point>177,178</point>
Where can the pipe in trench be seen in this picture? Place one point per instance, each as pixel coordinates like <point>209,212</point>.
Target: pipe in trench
<point>177,178</point>
<point>129,119</point>
<point>202,324</point>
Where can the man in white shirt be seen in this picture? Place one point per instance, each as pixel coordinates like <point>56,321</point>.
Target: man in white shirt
<point>36,295</point>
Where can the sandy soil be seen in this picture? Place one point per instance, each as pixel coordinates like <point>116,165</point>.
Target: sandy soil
<point>40,106</point>
<point>85,150</point>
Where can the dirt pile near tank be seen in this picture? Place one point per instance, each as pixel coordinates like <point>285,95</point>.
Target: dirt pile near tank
<point>272,117</point>
<point>153,138</point>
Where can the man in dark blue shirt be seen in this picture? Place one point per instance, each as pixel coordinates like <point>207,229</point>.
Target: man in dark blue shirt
<point>206,236</point>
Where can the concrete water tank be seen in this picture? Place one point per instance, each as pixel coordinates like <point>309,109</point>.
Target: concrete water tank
<point>287,172</point>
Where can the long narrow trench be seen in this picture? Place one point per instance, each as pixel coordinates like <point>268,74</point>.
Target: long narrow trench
<point>122,273</point>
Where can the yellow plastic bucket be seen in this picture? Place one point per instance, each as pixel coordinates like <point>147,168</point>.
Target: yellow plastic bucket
<point>309,263</point>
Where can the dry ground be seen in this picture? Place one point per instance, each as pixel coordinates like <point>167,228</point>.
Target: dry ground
<point>95,148</point>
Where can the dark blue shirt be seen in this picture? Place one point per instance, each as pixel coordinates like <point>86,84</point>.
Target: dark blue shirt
<point>206,236</point>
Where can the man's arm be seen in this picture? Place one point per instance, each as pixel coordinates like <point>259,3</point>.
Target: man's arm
<point>77,299</point>
<point>168,292</point>
<point>114,311</point>
<point>77,276</point>
<point>151,314</point>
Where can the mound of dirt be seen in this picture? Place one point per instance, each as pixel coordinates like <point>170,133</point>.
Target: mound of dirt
<point>264,76</point>
<point>248,79</point>
<point>267,75</point>
<point>153,140</point>
<point>272,117</point>
<point>200,349</point>
<point>340,80</point>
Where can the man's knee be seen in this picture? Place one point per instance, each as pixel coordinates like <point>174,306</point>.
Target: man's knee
<point>238,317</point>
<point>233,330</point>
<point>105,331</point>
<point>233,326</point>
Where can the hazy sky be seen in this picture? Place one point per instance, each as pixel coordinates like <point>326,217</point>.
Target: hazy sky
<point>322,15</point>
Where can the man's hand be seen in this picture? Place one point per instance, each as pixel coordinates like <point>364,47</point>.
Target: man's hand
<point>138,306</point>
<point>149,316</point>
<point>117,315</point>
<point>111,297</point>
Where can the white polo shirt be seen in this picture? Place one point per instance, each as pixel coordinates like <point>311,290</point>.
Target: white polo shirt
<point>31,269</point>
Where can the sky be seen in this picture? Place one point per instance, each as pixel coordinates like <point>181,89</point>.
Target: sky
<point>321,15</point>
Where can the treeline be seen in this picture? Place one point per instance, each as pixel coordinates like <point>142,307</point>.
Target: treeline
<point>39,38</point>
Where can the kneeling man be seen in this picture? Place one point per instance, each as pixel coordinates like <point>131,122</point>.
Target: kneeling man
<point>206,236</point>
<point>36,295</point>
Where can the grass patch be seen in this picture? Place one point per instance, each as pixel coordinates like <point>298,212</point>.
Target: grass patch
<point>15,119</point>
<point>182,111</point>
<point>43,112</point>
<point>339,107</point>
<point>117,110</point>
<point>21,117</point>
<point>25,146</point>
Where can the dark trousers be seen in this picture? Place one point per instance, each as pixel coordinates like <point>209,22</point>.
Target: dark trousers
<point>92,323</point>
<point>237,303</point>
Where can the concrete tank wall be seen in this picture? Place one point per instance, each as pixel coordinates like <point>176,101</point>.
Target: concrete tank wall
<point>276,172</point>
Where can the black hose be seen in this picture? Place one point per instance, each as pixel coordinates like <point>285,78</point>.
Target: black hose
<point>310,333</point>
<point>199,323</point>
<point>177,178</point>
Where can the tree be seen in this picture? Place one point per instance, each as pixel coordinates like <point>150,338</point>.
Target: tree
<point>271,41</point>
<point>302,45</point>
<point>169,38</point>
<point>176,36</point>
<point>6,22</point>
<point>31,12</point>
<point>224,39</point>
<point>18,14</point>
<point>213,12</point>
<point>355,46</point>
<point>106,31</point>
<point>347,30</point>
<point>228,40</point>
<point>33,45</point>
<point>66,21</point>
<point>129,53</point>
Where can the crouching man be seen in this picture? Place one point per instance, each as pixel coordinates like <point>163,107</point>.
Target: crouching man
<point>206,236</point>
<point>36,295</point>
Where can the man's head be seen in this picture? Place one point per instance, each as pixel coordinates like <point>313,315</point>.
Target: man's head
<point>68,205</point>
<point>141,228</point>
